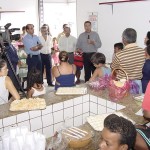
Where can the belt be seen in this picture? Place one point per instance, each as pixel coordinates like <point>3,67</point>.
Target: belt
<point>45,54</point>
<point>31,55</point>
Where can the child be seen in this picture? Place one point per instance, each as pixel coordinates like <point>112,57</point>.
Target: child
<point>117,48</point>
<point>78,61</point>
<point>98,60</point>
<point>146,69</point>
<point>55,52</point>
<point>34,83</point>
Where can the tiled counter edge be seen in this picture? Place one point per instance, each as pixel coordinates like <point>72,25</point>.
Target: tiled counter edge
<point>73,111</point>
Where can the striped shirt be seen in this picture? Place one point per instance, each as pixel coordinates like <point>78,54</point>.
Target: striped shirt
<point>131,59</point>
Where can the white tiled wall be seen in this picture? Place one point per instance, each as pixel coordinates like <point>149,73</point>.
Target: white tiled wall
<point>73,111</point>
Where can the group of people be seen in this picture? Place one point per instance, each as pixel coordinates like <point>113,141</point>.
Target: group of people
<point>118,133</point>
<point>127,55</point>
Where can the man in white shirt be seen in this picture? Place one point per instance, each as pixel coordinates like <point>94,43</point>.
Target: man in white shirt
<point>46,41</point>
<point>68,43</point>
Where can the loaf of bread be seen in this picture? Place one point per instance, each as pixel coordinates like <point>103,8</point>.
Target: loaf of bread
<point>28,104</point>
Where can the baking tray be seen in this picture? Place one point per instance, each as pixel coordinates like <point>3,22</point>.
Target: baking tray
<point>71,91</point>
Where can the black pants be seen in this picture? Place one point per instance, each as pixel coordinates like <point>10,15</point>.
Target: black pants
<point>46,61</point>
<point>34,61</point>
<point>88,66</point>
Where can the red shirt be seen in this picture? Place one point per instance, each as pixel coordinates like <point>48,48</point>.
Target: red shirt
<point>146,101</point>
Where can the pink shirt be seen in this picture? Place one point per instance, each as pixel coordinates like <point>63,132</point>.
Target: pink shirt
<point>146,101</point>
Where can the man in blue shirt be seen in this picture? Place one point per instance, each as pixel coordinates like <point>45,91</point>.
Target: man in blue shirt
<point>32,48</point>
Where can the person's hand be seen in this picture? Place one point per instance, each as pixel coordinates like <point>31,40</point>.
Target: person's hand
<point>78,50</point>
<point>91,41</point>
<point>35,48</point>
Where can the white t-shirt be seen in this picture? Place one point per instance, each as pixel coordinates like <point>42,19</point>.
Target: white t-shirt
<point>3,91</point>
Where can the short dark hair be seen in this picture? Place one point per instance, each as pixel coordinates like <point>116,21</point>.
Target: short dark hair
<point>63,56</point>
<point>27,26</point>
<point>98,58</point>
<point>118,45</point>
<point>64,25</point>
<point>2,63</point>
<point>129,35</point>
<point>87,22</point>
<point>148,50</point>
<point>23,28</point>
<point>122,126</point>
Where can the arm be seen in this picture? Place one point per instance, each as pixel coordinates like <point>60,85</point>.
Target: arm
<point>37,47</point>
<point>94,75</point>
<point>11,88</point>
<point>115,62</point>
<point>55,71</point>
<point>78,45</point>
<point>146,115</point>
<point>30,93</point>
<point>97,42</point>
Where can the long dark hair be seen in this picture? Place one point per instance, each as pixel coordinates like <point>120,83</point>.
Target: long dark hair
<point>34,77</point>
<point>2,63</point>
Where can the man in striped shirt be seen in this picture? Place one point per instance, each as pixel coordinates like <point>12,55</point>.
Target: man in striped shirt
<point>131,58</point>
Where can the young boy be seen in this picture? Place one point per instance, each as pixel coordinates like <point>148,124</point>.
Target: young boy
<point>117,48</point>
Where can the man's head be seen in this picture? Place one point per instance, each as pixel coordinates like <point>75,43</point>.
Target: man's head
<point>67,31</point>
<point>118,134</point>
<point>30,29</point>
<point>64,26</point>
<point>87,26</point>
<point>129,36</point>
<point>118,47</point>
<point>44,30</point>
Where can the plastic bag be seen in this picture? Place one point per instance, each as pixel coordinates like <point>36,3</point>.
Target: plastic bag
<point>99,83</point>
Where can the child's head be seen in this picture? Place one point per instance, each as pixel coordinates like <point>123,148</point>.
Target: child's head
<point>118,47</point>
<point>34,77</point>
<point>98,59</point>
<point>54,39</point>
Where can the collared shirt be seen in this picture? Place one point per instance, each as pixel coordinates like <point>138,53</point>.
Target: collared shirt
<point>60,35</point>
<point>67,44</point>
<point>131,59</point>
<point>82,42</point>
<point>47,44</point>
<point>30,41</point>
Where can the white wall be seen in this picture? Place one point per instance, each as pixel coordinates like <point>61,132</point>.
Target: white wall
<point>111,24</point>
<point>19,19</point>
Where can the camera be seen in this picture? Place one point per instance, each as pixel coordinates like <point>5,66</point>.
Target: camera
<point>6,35</point>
